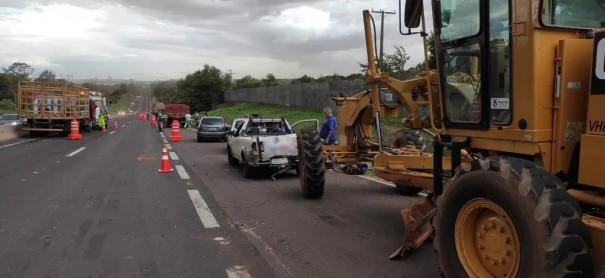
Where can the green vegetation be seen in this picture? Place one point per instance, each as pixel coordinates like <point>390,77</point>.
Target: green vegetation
<point>7,107</point>
<point>229,112</point>
<point>120,105</point>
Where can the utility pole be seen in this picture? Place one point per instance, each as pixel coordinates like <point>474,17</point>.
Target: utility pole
<point>382,13</point>
<point>231,73</point>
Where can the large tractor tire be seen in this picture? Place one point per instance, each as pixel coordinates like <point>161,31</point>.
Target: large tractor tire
<point>311,164</point>
<point>505,217</point>
<point>410,137</point>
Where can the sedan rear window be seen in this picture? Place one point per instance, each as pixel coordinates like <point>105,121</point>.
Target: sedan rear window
<point>212,121</point>
<point>9,117</point>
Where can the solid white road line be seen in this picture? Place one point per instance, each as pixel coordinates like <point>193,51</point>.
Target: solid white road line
<point>112,132</point>
<point>203,211</point>
<point>237,271</point>
<point>20,142</point>
<point>181,170</point>
<point>168,147</point>
<point>76,152</point>
<point>173,156</point>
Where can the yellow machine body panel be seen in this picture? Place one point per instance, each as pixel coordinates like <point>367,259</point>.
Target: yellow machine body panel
<point>592,157</point>
<point>592,153</point>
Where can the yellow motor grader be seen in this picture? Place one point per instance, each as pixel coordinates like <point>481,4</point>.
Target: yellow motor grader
<point>517,102</point>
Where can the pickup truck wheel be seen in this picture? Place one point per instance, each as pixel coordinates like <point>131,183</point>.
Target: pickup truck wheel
<point>232,160</point>
<point>311,164</point>
<point>247,170</point>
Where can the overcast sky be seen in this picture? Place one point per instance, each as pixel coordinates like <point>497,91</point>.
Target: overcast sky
<point>165,39</point>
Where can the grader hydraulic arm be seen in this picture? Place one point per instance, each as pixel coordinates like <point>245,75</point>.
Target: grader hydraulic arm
<point>359,114</point>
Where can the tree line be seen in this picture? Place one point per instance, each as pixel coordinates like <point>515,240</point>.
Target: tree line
<point>18,71</point>
<point>204,88</point>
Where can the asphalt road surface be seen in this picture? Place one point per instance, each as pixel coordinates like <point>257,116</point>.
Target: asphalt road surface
<point>99,208</point>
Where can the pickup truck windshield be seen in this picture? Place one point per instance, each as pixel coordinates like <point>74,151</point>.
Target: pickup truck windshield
<point>573,13</point>
<point>267,128</point>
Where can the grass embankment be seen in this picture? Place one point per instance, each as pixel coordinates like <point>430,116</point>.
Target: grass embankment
<point>229,112</point>
<point>120,105</point>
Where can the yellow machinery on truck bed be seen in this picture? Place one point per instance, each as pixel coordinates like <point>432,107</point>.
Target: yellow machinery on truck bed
<point>51,106</point>
<point>518,99</point>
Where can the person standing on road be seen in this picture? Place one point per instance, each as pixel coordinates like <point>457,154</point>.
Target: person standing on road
<point>106,119</point>
<point>328,129</point>
<point>164,119</point>
<point>187,121</point>
<point>196,118</point>
<point>101,120</point>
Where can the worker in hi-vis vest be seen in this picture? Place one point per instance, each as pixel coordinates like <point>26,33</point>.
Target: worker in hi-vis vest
<point>101,121</point>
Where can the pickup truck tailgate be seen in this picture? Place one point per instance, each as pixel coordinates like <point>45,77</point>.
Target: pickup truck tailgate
<point>278,145</point>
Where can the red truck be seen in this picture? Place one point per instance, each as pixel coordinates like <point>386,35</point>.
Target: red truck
<point>176,112</point>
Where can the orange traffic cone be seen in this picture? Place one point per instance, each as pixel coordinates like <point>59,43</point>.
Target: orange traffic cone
<point>153,122</point>
<point>103,129</point>
<point>175,136</point>
<point>144,117</point>
<point>165,167</point>
<point>75,131</point>
<point>115,125</point>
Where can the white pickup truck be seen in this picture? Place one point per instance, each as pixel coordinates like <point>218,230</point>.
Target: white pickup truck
<point>263,142</point>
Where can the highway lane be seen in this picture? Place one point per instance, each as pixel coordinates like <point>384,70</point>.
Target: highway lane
<point>350,232</point>
<point>99,208</point>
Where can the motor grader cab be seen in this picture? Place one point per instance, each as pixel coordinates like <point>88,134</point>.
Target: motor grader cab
<point>518,102</point>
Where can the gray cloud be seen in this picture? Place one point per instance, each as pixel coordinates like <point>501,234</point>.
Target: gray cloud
<point>151,39</point>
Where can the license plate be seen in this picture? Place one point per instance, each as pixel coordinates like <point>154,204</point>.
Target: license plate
<point>282,160</point>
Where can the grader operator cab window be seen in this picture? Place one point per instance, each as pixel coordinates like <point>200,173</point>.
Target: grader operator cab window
<point>463,84</point>
<point>475,62</point>
<point>459,19</point>
<point>573,13</point>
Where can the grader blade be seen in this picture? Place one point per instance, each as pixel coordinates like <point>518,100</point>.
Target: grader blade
<point>417,226</point>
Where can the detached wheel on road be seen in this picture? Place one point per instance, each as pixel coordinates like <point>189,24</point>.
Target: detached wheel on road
<point>311,164</point>
<point>407,189</point>
<point>507,218</point>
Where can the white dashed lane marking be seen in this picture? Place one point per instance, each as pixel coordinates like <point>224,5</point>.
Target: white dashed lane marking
<point>203,211</point>
<point>173,156</point>
<point>168,147</point>
<point>181,170</point>
<point>76,152</point>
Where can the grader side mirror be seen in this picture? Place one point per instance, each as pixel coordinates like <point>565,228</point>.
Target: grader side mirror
<point>412,13</point>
